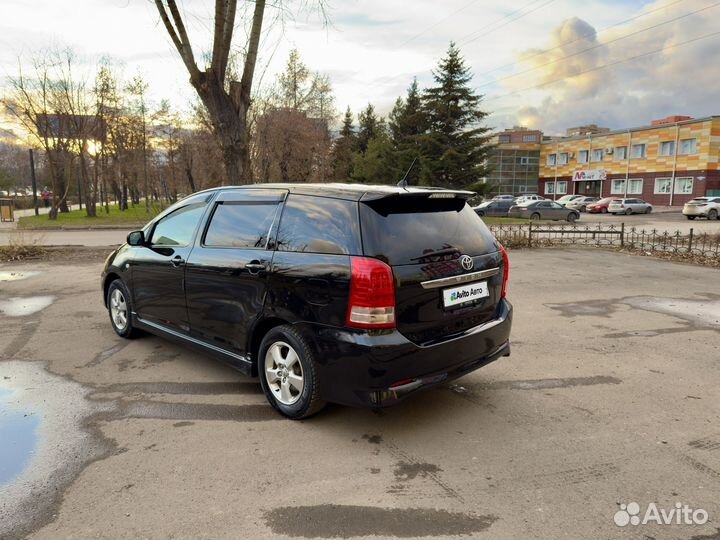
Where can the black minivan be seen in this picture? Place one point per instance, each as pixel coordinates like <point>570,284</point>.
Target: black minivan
<point>352,294</point>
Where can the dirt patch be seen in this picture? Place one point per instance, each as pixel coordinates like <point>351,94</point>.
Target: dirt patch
<point>345,521</point>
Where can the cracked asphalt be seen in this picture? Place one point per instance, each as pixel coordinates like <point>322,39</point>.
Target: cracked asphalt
<point>609,397</point>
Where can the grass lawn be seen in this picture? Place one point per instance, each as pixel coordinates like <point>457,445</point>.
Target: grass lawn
<point>78,219</point>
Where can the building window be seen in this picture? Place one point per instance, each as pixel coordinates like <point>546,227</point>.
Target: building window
<point>562,188</point>
<point>583,156</point>
<point>663,185</point>
<point>597,154</point>
<point>504,139</point>
<point>617,187</point>
<point>635,186</point>
<point>688,146</point>
<point>564,158</point>
<point>621,153</point>
<point>525,160</point>
<point>638,151</point>
<point>667,148</point>
<point>683,186</point>
<point>551,159</point>
<point>549,188</point>
<point>529,138</point>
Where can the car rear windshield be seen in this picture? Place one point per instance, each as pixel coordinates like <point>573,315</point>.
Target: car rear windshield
<point>412,230</point>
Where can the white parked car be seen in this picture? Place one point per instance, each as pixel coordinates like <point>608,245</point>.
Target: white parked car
<point>581,203</point>
<point>528,198</point>
<point>567,198</point>
<point>629,206</point>
<point>708,207</point>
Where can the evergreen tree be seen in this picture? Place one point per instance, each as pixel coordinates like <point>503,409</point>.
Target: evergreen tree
<point>407,123</point>
<point>367,128</point>
<point>372,167</point>
<point>456,145</point>
<point>343,149</point>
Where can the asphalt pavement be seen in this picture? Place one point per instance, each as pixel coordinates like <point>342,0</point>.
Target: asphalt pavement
<point>609,399</point>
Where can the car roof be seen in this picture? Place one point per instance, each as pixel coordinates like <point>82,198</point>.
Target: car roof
<point>353,192</point>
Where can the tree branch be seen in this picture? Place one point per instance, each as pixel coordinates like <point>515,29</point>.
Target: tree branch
<point>180,38</point>
<point>227,37</point>
<point>251,58</point>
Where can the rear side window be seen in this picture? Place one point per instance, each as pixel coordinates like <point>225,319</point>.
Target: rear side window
<point>241,225</point>
<point>319,225</point>
<point>409,230</point>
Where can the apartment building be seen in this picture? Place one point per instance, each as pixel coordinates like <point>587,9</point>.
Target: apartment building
<point>514,161</point>
<point>666,163</point>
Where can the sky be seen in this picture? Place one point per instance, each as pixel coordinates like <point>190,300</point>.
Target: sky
<point>546,64</point>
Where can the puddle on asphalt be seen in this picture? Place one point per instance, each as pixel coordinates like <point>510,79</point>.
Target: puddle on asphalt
<point>23,306</point>
<point>14,275</point>
<point>18,433</point>
<point>43,445</point>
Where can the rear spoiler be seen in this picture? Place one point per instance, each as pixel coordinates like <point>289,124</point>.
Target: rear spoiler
<point>427,193</point>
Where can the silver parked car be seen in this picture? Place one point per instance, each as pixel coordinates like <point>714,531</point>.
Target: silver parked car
<point>708,207</point>
<point>562,201</point>
<point>581,203</point>
<point>629,206</point>
<point>543,210</point>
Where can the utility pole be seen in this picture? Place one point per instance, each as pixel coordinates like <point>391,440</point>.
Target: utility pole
<point>34,181</point>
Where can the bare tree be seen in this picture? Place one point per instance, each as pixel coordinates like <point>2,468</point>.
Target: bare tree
<point>227,104</point>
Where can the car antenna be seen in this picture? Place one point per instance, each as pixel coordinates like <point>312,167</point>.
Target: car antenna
<point>403,183</point>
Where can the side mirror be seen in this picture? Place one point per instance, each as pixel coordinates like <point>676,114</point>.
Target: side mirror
<point>136,238</point>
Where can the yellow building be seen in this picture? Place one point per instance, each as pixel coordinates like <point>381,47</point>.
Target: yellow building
<point>666,163</point>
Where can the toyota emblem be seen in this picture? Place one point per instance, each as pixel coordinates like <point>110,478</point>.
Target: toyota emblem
<point>466,262</point>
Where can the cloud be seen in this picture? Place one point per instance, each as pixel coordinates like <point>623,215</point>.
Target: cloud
<point>565,82</point>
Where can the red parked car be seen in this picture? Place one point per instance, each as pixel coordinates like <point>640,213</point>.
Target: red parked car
<point>601,206</point>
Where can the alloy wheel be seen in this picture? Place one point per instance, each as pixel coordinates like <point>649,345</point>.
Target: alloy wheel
<point>118,309</point>
<point>284,373</point>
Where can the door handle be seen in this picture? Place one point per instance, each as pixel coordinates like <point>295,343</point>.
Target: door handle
<point>177,260</point>
<point>255,266</point>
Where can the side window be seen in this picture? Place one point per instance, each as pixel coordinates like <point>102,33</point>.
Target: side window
<point>241,225</point>
<point>177,229</point>
<point>319,225</point>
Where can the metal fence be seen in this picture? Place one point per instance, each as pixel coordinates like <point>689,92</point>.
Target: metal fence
<point>652,240</point>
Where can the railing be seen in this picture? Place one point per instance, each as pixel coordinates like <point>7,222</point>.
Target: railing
<point>652,240</point>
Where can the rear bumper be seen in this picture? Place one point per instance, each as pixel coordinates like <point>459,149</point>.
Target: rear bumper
<point>694,212</point>
<point>380,368</point>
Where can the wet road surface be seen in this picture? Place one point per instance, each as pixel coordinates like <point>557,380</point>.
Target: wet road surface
<point>610,396</point>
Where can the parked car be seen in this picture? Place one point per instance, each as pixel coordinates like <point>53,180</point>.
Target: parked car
<point>505,197</point>
<point>494,208</point>
<point>544,210</point>
<point>581,203</point>
<point>600,207</point>
<point>629,206</point>
<point>567,198</point>
<point>526,198</point>
<point>708,207</point>
<point>353,294</point>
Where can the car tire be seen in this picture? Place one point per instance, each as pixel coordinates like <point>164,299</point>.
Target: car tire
<point>583,209</point>
<point>535,216</point>
<point>713,214</point>
<point>572,217</point>
<point>628,211</point>
<point>648,210</point>
<point>691,217</point>
<point>481,214</point>
<point>603,210</point>
<point>119,308</point>
<point>286,355</point>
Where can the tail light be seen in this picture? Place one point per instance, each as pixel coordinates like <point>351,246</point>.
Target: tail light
<point>372,294</point>
<point>506,270</point>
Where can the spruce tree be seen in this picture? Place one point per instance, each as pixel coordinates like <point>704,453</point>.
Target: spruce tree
<point>456,144</point>
<point>343,149</point>
<point>407,123</point>
<point>367,128</point>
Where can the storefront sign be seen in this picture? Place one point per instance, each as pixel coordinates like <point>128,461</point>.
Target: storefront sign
<point>590,176</point>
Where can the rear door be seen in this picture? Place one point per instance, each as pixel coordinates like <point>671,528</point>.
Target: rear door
<point>226,274</point>
<point>425,241</point>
